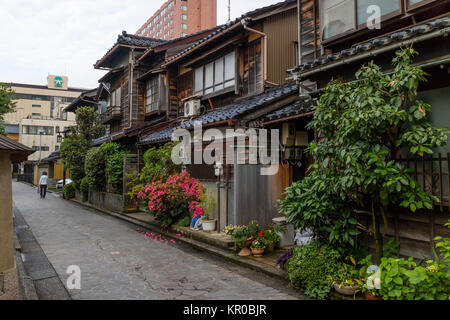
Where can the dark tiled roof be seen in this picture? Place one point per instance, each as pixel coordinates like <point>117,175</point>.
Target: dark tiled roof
<point>53,156</point>
<point>174,41</point>
<point>133,40</point>
<point>376,43</point>
<point>225,26</point>
<point>100,140</point>
<point>7,144</point>
<point>82,100</point>
<point>159,136</point>
<point>297,108</point>
<point>233,111</point>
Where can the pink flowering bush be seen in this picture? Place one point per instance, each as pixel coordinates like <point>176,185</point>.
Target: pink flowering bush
<point>173,199</point>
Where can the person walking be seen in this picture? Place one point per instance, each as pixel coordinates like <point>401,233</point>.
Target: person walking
<point>43,182</point>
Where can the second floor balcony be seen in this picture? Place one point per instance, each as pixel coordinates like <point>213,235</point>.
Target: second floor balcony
<point>111,114</point>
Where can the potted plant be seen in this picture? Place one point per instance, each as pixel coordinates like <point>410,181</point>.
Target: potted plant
<point>372,282</point>
<point>272,239</point>
<point>242,238</point>
<point>209,205</point>
<point>258,247</point>
<point>346,281</point>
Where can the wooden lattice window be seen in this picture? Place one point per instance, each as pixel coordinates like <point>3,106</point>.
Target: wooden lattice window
<point>152,95</point>
<point>252,77</point>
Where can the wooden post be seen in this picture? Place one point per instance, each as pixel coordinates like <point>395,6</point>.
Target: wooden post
<point>441,193</point>
<point>448,180</point>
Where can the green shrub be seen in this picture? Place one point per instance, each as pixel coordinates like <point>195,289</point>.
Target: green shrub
<point>94,167</point>
<point>69,191</point>
<point>404,280</point>
<point>84,188</point>
<point>114,169</point>
<point>311,267</point>
<point>105,164</point>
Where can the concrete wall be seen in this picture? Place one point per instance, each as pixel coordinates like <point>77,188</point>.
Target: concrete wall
<point>109,201</point>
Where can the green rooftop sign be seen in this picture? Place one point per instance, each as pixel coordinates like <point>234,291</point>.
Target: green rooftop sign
<point>58,82</point>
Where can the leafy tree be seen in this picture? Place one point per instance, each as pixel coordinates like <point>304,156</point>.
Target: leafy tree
<point>75,147</point>
<point>6,104</point>
<point>105,164</point>
<point>362,126</point>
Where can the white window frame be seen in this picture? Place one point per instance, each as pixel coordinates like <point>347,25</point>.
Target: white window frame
<point>207,80</point>
<point>152,95</point>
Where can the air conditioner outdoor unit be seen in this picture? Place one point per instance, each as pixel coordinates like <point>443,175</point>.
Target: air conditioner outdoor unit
<point>192,108</point>
<point>301,139</point>
<point>288,134</point>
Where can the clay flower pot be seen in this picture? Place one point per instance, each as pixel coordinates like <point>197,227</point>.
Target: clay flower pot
<point>258,252</point>
<point>370,296</point>
<point>245,252</point>
<point>270,248</point>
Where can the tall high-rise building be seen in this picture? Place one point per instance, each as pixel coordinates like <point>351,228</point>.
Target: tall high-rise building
<point>178,18</point>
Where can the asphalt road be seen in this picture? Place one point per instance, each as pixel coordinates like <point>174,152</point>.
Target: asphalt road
<point>118,262</point>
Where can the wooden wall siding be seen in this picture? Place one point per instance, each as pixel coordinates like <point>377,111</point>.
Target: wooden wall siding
<point>252,68</point>
<point>310,30</point>
<point>414,231</point>
<point>172,92</point>
<point>163,94</point>
<point>185,89</point>
<point>282,34</point>
<point>141,92</point>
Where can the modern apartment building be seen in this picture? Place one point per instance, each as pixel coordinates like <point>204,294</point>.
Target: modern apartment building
<point>178,18</point>
<point>39,115</point>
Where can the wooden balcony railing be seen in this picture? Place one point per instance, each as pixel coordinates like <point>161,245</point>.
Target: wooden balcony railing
<point>111,114</point>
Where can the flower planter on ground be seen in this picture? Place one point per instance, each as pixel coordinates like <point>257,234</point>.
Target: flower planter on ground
<point>258,252</point>
<point>245,251</point>
<point>209,225</point>
<point>370,296</point>
<point>347,290</point>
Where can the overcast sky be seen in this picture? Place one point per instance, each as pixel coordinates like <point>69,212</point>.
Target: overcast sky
<point>66,37</point>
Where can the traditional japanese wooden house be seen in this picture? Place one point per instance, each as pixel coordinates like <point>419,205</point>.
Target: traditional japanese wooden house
<point>338,36</point>
<point>228,80</point>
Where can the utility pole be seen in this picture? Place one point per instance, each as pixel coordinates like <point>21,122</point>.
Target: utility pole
<point>229,10</point>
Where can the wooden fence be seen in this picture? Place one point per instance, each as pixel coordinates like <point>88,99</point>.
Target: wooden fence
<point>416,231</point>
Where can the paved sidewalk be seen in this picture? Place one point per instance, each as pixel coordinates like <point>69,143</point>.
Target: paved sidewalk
<point>117,262</point>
